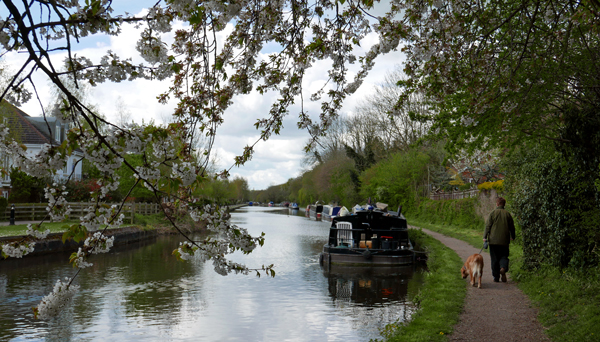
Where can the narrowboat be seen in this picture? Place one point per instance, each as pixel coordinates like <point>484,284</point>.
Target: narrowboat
<point>331,211</point>
<point>373,237</point>
<point>314,210</point>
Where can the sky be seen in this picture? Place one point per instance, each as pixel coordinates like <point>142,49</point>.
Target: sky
<point>274,161</point>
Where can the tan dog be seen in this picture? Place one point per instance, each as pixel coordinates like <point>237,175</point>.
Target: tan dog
<point>473,267</point>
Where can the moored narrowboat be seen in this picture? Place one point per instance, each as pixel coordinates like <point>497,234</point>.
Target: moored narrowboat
<point>314,210</point>
<point>375,237</point>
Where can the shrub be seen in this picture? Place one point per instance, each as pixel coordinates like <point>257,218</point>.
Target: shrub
<point>497,185</point>
<point>24,188</point>
<point>80,190</point>
<point>465,187</point>
<point>460,213</point>
<point>556,204</point>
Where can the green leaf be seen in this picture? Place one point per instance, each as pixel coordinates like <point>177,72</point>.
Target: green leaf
<point>176,67</point>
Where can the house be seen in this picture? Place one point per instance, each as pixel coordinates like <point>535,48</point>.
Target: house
<point>34,133</point>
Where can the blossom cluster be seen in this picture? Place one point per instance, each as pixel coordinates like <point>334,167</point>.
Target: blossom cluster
<point>58,208</point>
<point>36,231</point>
<point>101,216</point>
<point>16,249</point>
<point>94,244</point>
<point>79,259</point>
<point>99,243</point>
<point>53,303</point>
<point>185,251</point>
<point>184,171</point>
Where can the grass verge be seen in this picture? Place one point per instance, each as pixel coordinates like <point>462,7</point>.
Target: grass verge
<point>567,298</point>
<point>21,229</point>
<point>143,221</point>
<point>440,299</point>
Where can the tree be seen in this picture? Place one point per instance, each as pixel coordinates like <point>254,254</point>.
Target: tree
<point>396,180</point>
<point>504,72</point>
<point>240,189</point>
<point>519,75</point>
<point>481,166</point>
<point>394,125</point>
<point>24,188</point>
<point>206,74</point>
<point>126,188</point>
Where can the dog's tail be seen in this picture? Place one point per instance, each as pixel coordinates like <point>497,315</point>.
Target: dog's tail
<point>477,267</point>
<point>476,270</point>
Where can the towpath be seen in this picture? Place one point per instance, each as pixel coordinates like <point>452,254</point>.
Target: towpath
<point>497,311</point>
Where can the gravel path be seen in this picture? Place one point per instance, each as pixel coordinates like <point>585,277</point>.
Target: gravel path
<point>497,311</point>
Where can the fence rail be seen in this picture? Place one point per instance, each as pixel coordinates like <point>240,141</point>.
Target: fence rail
<point>37,211</point>
<point>454,195</point>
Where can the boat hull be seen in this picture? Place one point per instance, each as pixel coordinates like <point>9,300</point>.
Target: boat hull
<point>366,257</point>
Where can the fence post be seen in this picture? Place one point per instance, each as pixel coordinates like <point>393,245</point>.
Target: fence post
<point>132,211</point>
<point>12,215</point>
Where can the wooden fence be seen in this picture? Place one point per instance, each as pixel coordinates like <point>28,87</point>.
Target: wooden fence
<point>454,195</point>
<point>37,211</point>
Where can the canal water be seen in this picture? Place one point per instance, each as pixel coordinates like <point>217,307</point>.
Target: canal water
<point>141,293</point>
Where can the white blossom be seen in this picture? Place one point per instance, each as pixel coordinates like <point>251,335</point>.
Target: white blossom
<point>79,261</point>
<point>37,233</point>
<point>17,250</point>
<point>99,243</point>
<point>52,304</point>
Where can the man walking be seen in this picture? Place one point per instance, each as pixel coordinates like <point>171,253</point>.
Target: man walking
<point>499,231</point>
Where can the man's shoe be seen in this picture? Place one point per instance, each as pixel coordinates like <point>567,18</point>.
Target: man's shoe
<point>496,280</point>
<point>503,275</point>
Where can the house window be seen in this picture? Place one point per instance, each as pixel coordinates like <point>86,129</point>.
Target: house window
<point>57,132</point>
<point>5,194</point>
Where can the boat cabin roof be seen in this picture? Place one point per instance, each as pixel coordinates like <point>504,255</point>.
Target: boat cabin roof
<point>373,219</point>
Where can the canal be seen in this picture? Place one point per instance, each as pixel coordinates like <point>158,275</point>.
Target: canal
<point>141,293</point>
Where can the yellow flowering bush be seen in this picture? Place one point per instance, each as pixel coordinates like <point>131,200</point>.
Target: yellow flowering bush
<point>497,185</point>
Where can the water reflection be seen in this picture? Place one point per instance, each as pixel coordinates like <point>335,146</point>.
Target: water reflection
<point>376,296</point>
<point>369,286</point>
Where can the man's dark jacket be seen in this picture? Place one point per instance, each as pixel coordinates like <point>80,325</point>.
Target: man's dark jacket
<point>499,228</point>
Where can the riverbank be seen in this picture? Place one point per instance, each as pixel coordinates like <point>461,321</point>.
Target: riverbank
<point>566,299</point>
<point>440,299</point>
<point>53,243</point>
<point>148,227</point>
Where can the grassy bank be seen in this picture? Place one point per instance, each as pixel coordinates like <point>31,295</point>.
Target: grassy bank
<point>567,298</point>
<point>21,229</point>
<point>144,221</point>
<point>440,299</point>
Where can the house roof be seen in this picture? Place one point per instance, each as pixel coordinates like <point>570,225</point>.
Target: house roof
<point>24,128</point>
